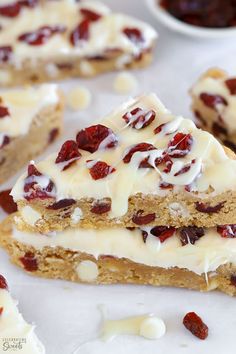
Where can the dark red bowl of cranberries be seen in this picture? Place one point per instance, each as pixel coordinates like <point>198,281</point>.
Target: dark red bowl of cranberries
<point>200,18</point>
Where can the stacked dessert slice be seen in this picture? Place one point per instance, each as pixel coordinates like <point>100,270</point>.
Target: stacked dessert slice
<point>30,119</point>
<point>48,40</point>
<point>15,333</point>
<point>214,105</point>
<point>139,197</point>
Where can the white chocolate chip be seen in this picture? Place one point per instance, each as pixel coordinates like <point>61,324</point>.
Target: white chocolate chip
<point>5,77</point>
<point>76,215</point>
<point>152,328</point>
<point>79,98</point>
<point>51,70</point>
<point>125,83</point>
<point>86,68</point>
<point>177,209</point>
<point>30,216</point>
<point>87,271</point>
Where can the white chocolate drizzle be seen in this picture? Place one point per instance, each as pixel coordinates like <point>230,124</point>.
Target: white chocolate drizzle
<point>207,161</point>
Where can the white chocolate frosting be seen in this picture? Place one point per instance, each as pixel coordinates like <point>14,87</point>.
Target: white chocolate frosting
<point>23,106</point>
<point>206,255</point>
<point>105,34</point>
<point>217,86</point>
<point>12,325</point>
<point>208,172</point>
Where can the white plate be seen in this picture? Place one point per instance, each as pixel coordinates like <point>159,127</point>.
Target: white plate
<point>66,314</point>
<point>176,25</point>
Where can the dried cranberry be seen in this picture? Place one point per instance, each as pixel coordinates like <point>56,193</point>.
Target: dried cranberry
<point>68,154</point>
<point>134,35</point>
<point>81,32</point>
<point>5,140</point>
<point>180,145</point>
<point>4,112</point>
<point>42,35</point>
<point>138,118</point>
<point>7,203</point>
<point>1,310</point>
<point>53,135</point>
<point>218,129</point>
<point>166,161</point>
<point>206,208</point>
<point>195,325</point>
<point>3,283</point>
<point>29,262</point>
<point>5,53</point>
<point>11,10</point>
<point>231,85</point>
<point>141,219</point>
<point>96,137</point>
<point>90,15</point>
<point>14,9</point>
<point>100,208</point>
<point>185,169</point>
<point>227,231</point>
<point>141,147</point>
<point>233,280</point>
<point>99,169</point>
<point>61,204</point>
<point>162,232</point>
<point>32,187</point>
<point>212,101</point>
<point>191,234</point>
<point>165,185</point>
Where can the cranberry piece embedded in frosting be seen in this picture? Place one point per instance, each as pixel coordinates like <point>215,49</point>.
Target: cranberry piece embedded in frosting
<point>185,169</point>
<point>41,36</point>
<point>68,154</point>
<point>90,15</point>
<point>99,169</point>
<point>81,32</point>
<point>96,137</point>
<point>5,141</point>
<point>140,219</point>
<point>37,186</point>
<point>7,203</point>
<point>29,262</point>
<point>227,231</point>
<point>141,147</point>
<point>134,35</point>
<point>206,208</point>
<point>3,283</point>
<point>212,101</point>
<point>165,185</point>
<point>180,145</point>
<point>231,85</point>
<point>191,234</point>
<point>11,10</point>
<point>5,53</point>
<point>4,112</point>
<point>139,118</point>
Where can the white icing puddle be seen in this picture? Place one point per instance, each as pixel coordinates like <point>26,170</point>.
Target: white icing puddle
<point>147,326</point>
